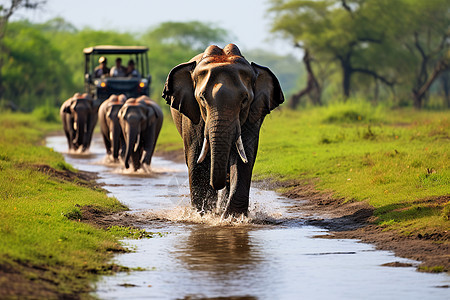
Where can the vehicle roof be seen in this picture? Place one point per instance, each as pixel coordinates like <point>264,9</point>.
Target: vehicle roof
<point>109,49</point>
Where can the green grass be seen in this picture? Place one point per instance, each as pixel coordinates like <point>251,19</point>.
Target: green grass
<point>386,158</point>
<point>395,160</point>
<point>41,236</point>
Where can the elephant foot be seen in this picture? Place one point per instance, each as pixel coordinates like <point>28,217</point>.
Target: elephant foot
<point>235,213</point>
<point>237,210</point>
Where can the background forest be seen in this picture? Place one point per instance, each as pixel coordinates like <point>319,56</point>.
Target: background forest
<point>391,52</point>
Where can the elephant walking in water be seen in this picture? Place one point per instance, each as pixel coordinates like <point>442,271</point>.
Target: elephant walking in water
<point>141,121</point>
<point>110,126</point>
<point>218,103</point>
<point>79,116</point>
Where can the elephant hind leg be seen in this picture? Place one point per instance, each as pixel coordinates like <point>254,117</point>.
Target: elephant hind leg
<point>107,143</point>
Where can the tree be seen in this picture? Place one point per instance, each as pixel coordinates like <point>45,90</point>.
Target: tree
<point>6,11</point>
<point>334,30</point>
<point>403,43</point>
<point>312,88</point>
<point>35,72</point>
<point>427,43</point>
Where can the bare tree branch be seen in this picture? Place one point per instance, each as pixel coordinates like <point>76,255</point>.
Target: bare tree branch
<point>374,75</point>
<point>346,6</point>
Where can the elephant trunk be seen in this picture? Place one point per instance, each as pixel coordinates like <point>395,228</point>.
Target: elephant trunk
<point>115,137</point>
<point>221,138</point>
<point>80,129</point>
<point>131,138</point>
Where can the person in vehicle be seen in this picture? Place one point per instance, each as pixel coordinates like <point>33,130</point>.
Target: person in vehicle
<point>101,70</point>
<point>131,71</point>
<point>118,70</point>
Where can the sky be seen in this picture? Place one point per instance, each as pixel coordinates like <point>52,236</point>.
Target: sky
<point>246,20</point>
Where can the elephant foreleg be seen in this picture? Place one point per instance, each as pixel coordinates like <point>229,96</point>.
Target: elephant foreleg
<point>240,180</point>
<point>149,145</point>
<point>203,196</point>
<point>241,173</point>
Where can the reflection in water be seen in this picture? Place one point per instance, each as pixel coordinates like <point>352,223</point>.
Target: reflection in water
<point>211,259</point>
<point>220,251</point>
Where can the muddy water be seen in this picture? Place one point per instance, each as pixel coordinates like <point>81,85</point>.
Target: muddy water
<point>270,255</point>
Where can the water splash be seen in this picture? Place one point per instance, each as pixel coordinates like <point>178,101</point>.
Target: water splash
<point>185,213</point>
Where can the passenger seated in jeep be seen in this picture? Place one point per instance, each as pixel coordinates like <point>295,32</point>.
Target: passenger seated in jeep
<point>118,70</point>
<point>101,70</point>
<point>131,71</point>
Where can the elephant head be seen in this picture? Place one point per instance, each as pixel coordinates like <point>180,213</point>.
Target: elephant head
<point>78,110</point>
<point>110,125</point>
<point>136,116</point>
<point>224,90</point>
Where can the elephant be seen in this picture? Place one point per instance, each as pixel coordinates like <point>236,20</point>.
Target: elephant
<point>141,121</point>
<point>110,126</point>
<point>79,117</point>
<point>218,103</point>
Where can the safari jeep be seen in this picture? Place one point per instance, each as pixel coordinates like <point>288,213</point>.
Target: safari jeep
<point>101,86</point>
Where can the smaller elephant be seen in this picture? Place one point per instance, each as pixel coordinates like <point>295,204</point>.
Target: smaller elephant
<point>110,125</point>
<point>79,116</point>
<point>141,121</point>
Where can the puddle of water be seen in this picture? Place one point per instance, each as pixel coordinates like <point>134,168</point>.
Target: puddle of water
<point>270,255</point>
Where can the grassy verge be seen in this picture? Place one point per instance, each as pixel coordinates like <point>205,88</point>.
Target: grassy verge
<point>45,252</point>
<point>395,160</point>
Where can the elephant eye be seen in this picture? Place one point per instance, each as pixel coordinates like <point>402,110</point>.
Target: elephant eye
<point>245,101</point>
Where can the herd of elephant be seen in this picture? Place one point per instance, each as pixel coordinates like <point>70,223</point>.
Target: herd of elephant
<point>218,102</point>
<point>129,127</point>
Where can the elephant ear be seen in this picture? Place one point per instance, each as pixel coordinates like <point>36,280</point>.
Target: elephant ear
<point>179,91</point>
<point>267,93</point>
<point>67,106</point>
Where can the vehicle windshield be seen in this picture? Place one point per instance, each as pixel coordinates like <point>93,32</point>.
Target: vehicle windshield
<point>118,65</point>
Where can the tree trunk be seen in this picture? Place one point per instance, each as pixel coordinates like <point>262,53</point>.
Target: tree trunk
<point>445,82</point>
<point>419,92</point>
<point>312,86</point>
<point>346,79</point>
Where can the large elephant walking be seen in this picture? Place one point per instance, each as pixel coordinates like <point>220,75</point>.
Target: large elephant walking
<point>218,103</point>
<point>141,121</point>
<point>79,116</point>
<point>110,125</point>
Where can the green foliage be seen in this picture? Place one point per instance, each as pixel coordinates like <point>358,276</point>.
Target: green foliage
<point>28,82</point>
<point>47,113</point>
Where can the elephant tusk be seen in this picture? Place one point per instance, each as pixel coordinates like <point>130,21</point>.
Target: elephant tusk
<point>241,151</point>
<point>205,149</point>
<point>138,141</point>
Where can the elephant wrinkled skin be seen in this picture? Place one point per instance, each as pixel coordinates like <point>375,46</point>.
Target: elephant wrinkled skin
<point>110,126</point>
<point>218,103</point>
<point>79,116</point>
<point>141,121</point>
